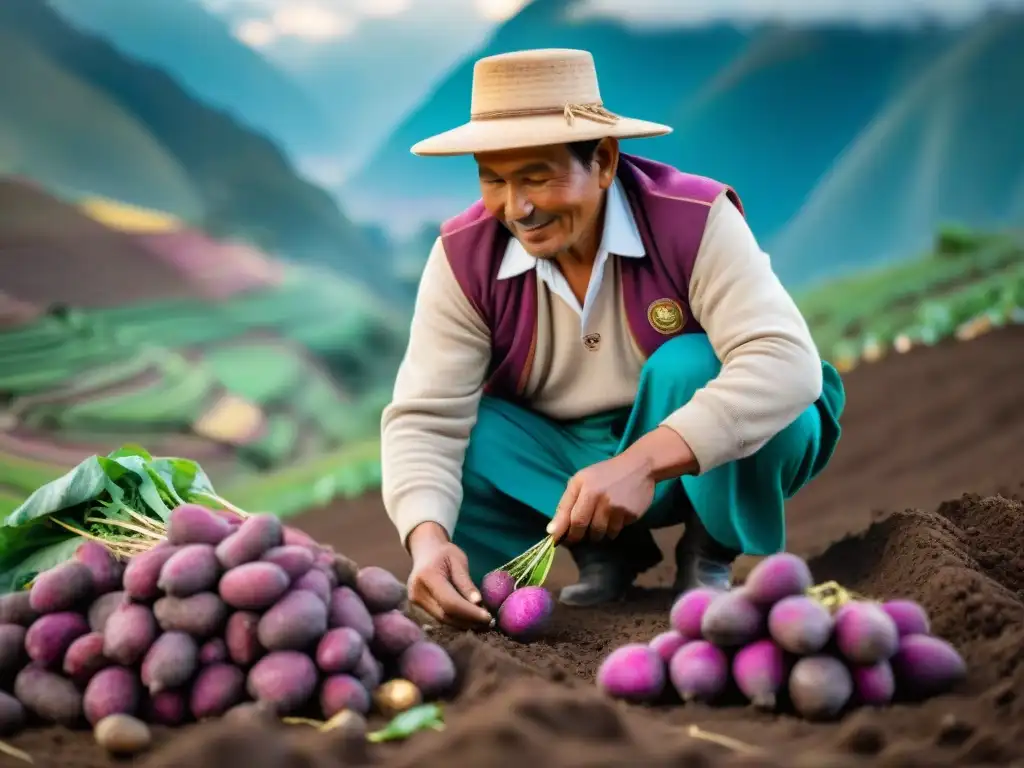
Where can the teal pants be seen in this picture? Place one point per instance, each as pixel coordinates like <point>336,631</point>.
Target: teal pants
<point>519,462</point>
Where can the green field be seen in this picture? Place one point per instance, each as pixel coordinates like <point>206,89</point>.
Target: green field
<point>315,359</point>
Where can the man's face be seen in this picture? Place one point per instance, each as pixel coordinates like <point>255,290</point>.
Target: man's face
<point>548,199</point>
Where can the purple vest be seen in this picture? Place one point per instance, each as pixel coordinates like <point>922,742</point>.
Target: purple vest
<point>671,210</point>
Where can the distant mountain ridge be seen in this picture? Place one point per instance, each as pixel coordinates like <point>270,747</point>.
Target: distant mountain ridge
<point>848,145</point>
<point>112,126</point>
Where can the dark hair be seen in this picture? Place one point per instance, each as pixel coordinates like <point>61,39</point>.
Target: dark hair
<point>584,151</point>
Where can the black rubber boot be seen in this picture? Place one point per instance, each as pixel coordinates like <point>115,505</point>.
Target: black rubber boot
<point>609,568</point>
<point>701,561</point>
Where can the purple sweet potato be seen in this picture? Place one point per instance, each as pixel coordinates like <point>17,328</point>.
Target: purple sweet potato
<point>130,631</point>
<point>62,588</point>
<point>324,561</point>
<point>168,708</point>
<point>345,570</point>
<point>16,608</point>
<point>85,658</point>
<point>865,634</point>
<point>241,637</point>
<point>760,671</point>
<point>102,607</point>
<point>49,637</point>
<point>667,643</point>
<point>495,588</point>
<point>927,666</point>
<point>111,691</point>
<point>393,632</point>
<point>285,679</point>
<point>699,671</point>
<point>633,672</point>
<point>800,625</point>
<point>379,588</point>
<point>294,623</point>
<point>12,649</point>
<point>910,617</point>
<point>290,535</point>
<point>776,577</point>
<point>170,662</point>
<point>253,586</point>
<point>213,651</point>
<point>217,688</point>
<point>293,560</point>
<point>194,524</point>
<point>201,615</point>
<point>49,696</point>
<point>339,650</point>
<point>820,687</point>
<point>368,671</point>
<point>875,685</point>
<point>526,614</point>
<point>688,611</point>
<point>12,714</point>
<point>106,569</point>
<point>192,569</point>
<point>142,574</point>
<point>347,610</point>
<point>316,582</point>
<point>340,692</point>
<point>253,538</point>
<point>429,667</point>
<point>732,620</point>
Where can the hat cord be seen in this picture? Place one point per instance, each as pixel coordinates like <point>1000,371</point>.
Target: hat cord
<point>594,112</point>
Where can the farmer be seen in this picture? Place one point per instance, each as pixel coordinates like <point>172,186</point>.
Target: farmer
<point>599,347</point>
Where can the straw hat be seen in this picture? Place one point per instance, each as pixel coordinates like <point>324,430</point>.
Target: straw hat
<point>534,98</point>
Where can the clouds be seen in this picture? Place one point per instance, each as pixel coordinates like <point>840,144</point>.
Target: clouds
<point>265,23</point>
<point>868,12</point>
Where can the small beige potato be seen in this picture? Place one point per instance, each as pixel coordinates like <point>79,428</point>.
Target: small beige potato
<point>397,696</point>
<point>122,735</point>
<point>347,723</point>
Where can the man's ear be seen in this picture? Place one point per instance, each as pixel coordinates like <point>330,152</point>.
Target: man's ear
<point>606,158</point>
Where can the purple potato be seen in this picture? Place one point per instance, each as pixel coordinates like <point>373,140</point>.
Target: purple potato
<point>294,560</point>
<point>820,687</point>
<point>760,671</point>
<point>192,569</point>
<point>102,607</point>
<point>253,586</point>
<point>699,671</point>
<point>910,618</point>
<point>865,634</point>
<point>195,524</point>
<point>429,667</point>
<point>84,658</point>
<point>342,691</point>
<point>106,570</point>
<point>250,541</point>
<point>688,611</point>
<point>775,577</point>
<point>926,666</point>
<point>213,651</point>
<point>495,588</point>
<point>800,625</point>
<point>16,608</point>
<point>294,623</point>
<point>201,615</point>
<point>873,686</point>
<point>216,689</point>
<point>168,708</point>
<point>347,610</point>
<point>12,649</point>
<point>667,643</point>
<point>49,696</point>
<point>241,637</point>
<point>170,662</point>
<point>634,672</point>
<point>732,620</point>
<point>111,691</point>
<point>526,614</point>
<point>339,650</point>
<point>142,574</point>
<point>379,588</point>
<point>285,679</point>
<point>50,636</point>
<point>12,714</point>
<point>316,582</point>
<point>368,671</point>
<point>62,587</point>
<point>393,632</point>
<point>130,631</point>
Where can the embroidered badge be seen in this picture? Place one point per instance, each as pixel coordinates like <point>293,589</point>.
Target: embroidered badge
<point>592,341</point>
<point>665,316</point>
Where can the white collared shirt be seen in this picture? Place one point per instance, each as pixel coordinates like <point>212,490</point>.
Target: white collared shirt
<point>620,237</point>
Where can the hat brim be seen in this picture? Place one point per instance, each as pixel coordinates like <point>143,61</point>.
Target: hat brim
<point>534,131</point>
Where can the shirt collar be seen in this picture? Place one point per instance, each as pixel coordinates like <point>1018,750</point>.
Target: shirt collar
<point>620,236</point>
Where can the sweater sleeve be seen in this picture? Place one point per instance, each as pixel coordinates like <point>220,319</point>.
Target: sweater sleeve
<point>771,370</point>
<point>425,429</point>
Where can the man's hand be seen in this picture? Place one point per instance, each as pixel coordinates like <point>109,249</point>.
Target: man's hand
<point>440,582</point>
<point>605,497</point>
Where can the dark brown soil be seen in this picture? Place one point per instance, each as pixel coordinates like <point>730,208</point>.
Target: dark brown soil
<point>921,430</point>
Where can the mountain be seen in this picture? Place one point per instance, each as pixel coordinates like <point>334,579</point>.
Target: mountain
<point>791,117</point>
<point>170,34</point>
<point>218,174</point>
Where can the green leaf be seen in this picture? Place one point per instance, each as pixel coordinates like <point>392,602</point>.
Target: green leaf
<point>84,483</point>
<point>421,718</point>
<point>131,449</point>
<point>30,549</point>
<point>146,486</point>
